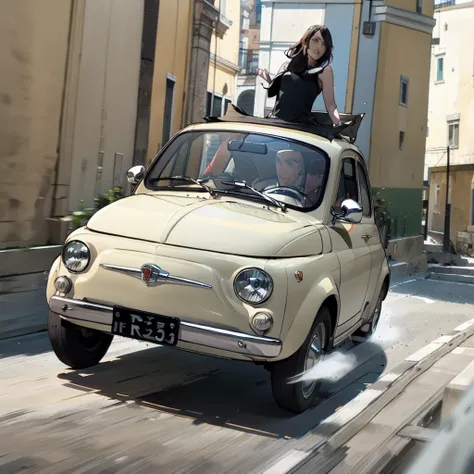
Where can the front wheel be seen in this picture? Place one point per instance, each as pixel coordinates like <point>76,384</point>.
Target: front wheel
<point>299,396</point>
<point>75,346</point>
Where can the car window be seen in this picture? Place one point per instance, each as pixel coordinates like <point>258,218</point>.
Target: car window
<point>283,169</point>
<point>348,188</point>
<point>364,191</point>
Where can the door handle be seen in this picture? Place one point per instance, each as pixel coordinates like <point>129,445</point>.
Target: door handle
<point>367,237</point>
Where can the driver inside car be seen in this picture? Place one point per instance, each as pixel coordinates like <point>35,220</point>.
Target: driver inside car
<point>291,172</point>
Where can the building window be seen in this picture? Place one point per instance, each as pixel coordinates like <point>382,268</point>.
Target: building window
<point>403,90</point>
<point>258,11</point>
<point>453,134</point>
<point>401,140</point>
<point>440,70</point>
<point>168,112</point>
<point>419,6</point>
<point>217,108</point>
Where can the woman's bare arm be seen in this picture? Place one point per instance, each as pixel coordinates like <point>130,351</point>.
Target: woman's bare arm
<point>327,82</point>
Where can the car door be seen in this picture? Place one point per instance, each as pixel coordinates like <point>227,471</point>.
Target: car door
<point>352,249</point>
<point>371,232</point>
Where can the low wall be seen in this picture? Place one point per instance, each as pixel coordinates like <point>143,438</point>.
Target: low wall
<point>406,249</point>
<point>23,276</point>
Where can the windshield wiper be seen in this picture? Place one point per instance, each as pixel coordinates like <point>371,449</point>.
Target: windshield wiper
<point>210,190</point>
<point>243,184</point>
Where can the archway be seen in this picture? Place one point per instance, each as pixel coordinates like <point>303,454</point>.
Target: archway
<point>246,101</point>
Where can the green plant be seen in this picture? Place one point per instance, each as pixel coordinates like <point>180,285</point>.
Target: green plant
<point>80,217</point>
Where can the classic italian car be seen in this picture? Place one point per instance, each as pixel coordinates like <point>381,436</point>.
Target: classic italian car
<point>246,238</point>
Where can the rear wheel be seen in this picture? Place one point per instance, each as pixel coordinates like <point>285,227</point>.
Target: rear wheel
<point>299,396</point>
<point>75,346</point>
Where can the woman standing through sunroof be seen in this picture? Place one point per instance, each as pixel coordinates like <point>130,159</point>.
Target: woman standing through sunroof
<point>300,81</point>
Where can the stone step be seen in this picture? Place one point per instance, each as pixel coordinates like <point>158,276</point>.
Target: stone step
<point>452,277</point>
<point>455,390</point>
<point>452,269</point>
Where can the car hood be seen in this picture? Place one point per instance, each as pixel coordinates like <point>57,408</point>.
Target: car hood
<point>222,225</point>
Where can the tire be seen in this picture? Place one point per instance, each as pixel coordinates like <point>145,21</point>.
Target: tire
<point>299,396</point>
<point>75,346</point>
<point>370,327</point>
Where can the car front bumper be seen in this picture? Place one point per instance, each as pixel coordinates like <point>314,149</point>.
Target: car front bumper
<point>208,336</point>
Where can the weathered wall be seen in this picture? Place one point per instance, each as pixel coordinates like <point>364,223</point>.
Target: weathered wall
<point>33,52</point>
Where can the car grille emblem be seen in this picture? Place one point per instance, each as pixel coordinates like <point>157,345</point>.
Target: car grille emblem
<point>153,273</point>
<point>146,273</point>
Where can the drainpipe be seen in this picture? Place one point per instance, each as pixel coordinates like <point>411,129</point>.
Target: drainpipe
<point>215,65</point>
<point>186,104</point>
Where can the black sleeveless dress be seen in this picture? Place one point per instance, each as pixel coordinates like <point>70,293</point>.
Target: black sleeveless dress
<point>295,95</point>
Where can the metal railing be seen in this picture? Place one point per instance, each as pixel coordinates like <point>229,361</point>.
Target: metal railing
<point>248,61</point>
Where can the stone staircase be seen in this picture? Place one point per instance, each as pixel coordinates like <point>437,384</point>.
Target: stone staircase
<point>452,273</point>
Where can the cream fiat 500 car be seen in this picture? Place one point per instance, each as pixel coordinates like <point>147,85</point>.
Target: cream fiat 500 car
<point>246,238</point>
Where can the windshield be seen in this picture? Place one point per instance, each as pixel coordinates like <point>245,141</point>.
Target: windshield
<point>283,170</point>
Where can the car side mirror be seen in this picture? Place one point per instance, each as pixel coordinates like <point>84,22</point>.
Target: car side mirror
<point>351,211</point>
<point>135,174</point>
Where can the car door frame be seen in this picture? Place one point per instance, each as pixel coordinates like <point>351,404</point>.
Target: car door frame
<point>348,323</point>
<point>375,243</point>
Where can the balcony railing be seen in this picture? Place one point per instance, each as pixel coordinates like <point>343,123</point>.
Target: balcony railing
<point>248,61</point>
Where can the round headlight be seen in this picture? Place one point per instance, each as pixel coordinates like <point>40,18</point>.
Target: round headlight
<point>253,285</point>
<point>76,256</point>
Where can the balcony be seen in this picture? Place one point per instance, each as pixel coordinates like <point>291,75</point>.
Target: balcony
<point>248,62</point>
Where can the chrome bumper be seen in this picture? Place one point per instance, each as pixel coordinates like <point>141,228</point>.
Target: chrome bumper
<point>208,336</point>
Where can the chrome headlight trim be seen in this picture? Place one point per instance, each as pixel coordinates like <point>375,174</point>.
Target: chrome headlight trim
<point>82,254</point>
<point>253,286</point>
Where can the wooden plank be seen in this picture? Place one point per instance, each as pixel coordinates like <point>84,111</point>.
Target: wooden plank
<point>342,435</point>
<point>418,433</point>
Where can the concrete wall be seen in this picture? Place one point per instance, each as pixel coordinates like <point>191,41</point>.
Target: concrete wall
<point>171,58</point>
<point>33,55</point>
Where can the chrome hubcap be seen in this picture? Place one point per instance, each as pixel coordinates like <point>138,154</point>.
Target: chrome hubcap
<point>91,339</point>
<point>313,356</point>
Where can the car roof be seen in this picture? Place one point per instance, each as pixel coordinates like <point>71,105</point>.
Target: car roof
<point>321,133</point>
<point>333,147</point>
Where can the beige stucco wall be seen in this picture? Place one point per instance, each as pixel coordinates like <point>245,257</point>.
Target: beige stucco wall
<point>410,5</point>
<point>455,95</point>
<point>105,116</point>
<point>406,52</point>
<point>228,50</point>
<point>171,57</point>
<point>33,50</point>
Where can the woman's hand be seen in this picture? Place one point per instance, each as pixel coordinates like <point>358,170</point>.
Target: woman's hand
<point>264,74</point>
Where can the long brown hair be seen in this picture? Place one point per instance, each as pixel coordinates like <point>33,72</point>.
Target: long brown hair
<point>298,52</point>
<point>298,55</point>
